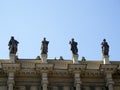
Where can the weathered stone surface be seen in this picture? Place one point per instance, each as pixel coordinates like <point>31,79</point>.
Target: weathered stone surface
<point>32,74</point>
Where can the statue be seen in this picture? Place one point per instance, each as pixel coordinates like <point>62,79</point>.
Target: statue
<point>13,45</point>
<point>105,47</point>
<point>61,58</point>
<point>83,59</point>
<point>73,46</point>
<point>44,46</point>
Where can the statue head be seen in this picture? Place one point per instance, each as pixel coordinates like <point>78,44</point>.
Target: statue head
<point>12,37</point>
<point>72,39</point>
<point>104,40</point>
<point>44,39</point>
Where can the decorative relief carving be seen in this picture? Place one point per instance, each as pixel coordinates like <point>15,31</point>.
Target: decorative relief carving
<point>91,73</point>
<point>28,65</point>
<point>11,67</point>
<point>77,67</point>
<point>43,67</point>
<point>108,68</point>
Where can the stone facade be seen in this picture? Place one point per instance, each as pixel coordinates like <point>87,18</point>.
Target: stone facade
<point>52,74</point>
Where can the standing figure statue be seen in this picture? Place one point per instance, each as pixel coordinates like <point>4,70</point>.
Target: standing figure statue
<point>13,45</point>
<point>44,46</point>
<point>74,48</point>
<point>105,47</point>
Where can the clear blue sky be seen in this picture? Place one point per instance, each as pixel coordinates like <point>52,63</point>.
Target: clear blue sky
<point>87,21</point>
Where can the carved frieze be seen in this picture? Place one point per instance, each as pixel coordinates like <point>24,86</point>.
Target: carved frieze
<point>43,67</point>
<point>92,73</point>
<point>76,67</point>
<point>108,68</point>
<point>11,67</point>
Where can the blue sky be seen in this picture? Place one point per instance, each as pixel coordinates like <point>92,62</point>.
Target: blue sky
<point>87,21</point>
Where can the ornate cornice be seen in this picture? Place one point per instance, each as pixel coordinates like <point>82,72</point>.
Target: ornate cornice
<point>108,68</point>
<point>77,67</point>
<point>43,67</point>
<point>11,67</point>
<point>92,73</point>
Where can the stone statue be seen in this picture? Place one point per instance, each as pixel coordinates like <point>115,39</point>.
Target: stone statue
<point>105,47</point>
<point>13,45</point>
<point>83,59</point>
<point>73,46</point>
<point>44,46</point>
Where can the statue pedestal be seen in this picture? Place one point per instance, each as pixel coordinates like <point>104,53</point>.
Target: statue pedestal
<point>12,58</point>
<point>75,59</point>
<point>106,59</point>
<point>44,58</point>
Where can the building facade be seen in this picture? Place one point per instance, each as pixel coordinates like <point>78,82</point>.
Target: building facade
<point>52,74</point>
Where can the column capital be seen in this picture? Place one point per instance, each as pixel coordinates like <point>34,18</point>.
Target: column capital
<point>44,78</point>
<point>109,82</point>
<point>10,86</point>
<point>108,70</point>
<point>77,78</point>
<point>44,81</point>
<point>11,82</point>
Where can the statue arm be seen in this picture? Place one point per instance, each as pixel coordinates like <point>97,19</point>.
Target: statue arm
<point>17,42</point>
<point>9,43</point>
<point>76,43</point>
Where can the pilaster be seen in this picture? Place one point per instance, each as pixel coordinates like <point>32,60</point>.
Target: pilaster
<point>109,81</point>
<point>10,81</point>
<point>44,81</point>
<point>10,69</point>
<point>44,69</point>
<point>108,70</point>
<point>77,70</point>
<point>77,81</point>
